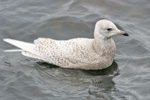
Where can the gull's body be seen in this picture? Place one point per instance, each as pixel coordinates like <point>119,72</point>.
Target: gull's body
<point>82,53</point>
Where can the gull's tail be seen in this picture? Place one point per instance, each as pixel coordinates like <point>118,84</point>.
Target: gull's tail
<point>24,46</point>
<point>27,49</point>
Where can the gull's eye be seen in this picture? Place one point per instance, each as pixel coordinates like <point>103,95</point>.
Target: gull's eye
<point>109,29</point>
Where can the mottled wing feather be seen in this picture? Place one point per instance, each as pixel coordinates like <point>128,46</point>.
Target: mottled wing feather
<point>69,54</point>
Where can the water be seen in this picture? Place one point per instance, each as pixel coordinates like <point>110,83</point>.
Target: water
<point>23,78</point>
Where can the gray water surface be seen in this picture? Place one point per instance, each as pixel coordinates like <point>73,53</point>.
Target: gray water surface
<point>23,78</point>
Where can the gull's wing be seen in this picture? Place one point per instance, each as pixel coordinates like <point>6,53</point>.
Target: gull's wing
<point>65,53</point>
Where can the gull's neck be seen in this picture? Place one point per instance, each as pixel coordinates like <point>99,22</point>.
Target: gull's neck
<point>103,45</point>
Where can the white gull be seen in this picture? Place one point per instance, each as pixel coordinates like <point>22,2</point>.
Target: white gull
<point>81,53</point>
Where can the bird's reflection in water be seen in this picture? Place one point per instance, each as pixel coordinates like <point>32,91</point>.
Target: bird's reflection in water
<point>102,82</point>
<point>47,71</point>
<point>97,82</point>
<point>107,71</point>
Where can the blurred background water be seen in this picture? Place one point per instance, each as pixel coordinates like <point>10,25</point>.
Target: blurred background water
<point>23,78</point>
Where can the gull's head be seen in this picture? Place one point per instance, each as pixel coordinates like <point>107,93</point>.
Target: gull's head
<point>107,29</point>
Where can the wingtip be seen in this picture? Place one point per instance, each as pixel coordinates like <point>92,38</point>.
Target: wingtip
<point>6,39</point>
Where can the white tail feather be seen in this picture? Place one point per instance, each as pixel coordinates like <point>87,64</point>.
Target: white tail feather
<point>20,44</point>
<point>13,50</point>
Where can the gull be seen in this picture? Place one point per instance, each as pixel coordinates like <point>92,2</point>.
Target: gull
<point>78,53</point>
